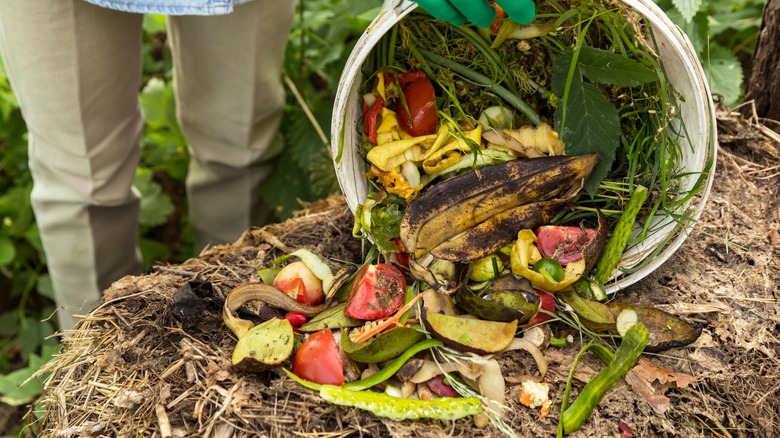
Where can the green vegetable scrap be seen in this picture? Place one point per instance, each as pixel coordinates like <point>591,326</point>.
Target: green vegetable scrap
<point>620,235</point>
<point>397,408</point>
<point>625,357</point>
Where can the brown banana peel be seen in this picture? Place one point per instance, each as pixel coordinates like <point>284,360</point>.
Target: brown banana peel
<point>459,204</point>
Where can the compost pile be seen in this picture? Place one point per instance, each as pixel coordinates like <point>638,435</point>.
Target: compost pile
<point>155,358</point>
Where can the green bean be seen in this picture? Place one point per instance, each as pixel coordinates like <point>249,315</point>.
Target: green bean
<point>397,408</point>
<point>625,357</point>
<point>388,371</point>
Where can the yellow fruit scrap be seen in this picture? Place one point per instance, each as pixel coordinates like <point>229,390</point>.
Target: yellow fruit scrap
<point>451,152</point>
<point>391,155</point>
<point>525,254</point>
<point>528,141</point>
<point>388,129</point>
<point>393,182</point>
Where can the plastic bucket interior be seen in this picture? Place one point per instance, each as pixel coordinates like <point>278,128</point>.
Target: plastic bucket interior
<point>683,71</point>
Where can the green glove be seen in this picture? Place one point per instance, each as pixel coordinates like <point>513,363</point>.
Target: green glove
<point>478,12</point>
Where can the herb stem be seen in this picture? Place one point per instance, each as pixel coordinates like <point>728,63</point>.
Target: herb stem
<point>483,81</point>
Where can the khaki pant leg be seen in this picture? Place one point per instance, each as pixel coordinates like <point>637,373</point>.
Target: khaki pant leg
<point>75,69</point>
<point>227,79</point>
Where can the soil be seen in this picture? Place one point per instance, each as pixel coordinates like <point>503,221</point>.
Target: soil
<point>139,367</point>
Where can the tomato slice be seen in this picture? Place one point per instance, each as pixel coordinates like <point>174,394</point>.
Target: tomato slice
<point>318,360</point>
<point>563,243</point>
<point>377,292</point>
<point>547,302</point>
<point>419,117</point>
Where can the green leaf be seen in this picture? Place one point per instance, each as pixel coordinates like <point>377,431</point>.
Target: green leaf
<point>154,23</point>
<point>285,186</point>
<point>386,223</point>
<point>697,30</point>
<point>153,251</point>
<point>724,73</point>
<point>33,334</point>
<point>159,104</point>
<point>16,394</point>
<point>9,323</point>
<point>592,125</point>
<point>7,250</point>
<point>13,388</point>
<point>611,68</point>
<point>155,205</point>
<point>688,8</point>
<point>45,287</point>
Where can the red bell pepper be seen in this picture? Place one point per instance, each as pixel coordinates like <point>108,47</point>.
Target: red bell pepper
<point>370,116</point>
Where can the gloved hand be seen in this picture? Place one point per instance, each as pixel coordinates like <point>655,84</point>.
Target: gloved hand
<point>478,12</point>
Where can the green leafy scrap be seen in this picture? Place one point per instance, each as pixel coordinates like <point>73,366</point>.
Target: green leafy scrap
<point>595,128</point>
<point>587,121</point>
<point>604,67</point>
<point>386,218</point>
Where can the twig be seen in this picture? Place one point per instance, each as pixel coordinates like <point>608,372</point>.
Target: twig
<point>306,110</point>
<point>163,421</point>
<point>181,272</point>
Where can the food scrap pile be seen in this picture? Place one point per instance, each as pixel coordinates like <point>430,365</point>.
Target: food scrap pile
<point>486,225</point>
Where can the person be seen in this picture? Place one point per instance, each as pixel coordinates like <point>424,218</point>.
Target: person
<point>75,67</point>
<point>479,12</point>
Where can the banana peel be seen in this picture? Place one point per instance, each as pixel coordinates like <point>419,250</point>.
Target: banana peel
<point>270,343</point>
<point>466,201</point>
<point>491,235</point>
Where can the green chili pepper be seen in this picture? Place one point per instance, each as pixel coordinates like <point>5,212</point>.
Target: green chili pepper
<point>388,371</point>
<point>622,232</point>
<point>383,405</point>
<point>625,357</point>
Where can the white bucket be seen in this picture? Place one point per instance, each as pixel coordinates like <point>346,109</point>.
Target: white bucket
<point>683,71</point>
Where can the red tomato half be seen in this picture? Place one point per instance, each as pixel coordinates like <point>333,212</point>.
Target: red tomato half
<point>318,360</point>
<point>547,302</point>
<point>563,243</point>
<point>421,118</point>
<point>377,292</point>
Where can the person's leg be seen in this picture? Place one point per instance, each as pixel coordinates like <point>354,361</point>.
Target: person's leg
<point>75,69</point>
<point>227,78</point>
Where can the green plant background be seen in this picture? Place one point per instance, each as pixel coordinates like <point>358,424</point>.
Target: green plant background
<point>722,32</point>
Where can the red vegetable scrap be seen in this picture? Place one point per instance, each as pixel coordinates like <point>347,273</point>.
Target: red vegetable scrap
<point>370,116</point>
<point>563,243</point>
<point>440,387</point>
<point>402,256</point>
<point>318,360</point>
<point>417,114</point>
<point>627,431</point>
<point>500,15</point>
<point>377,292</point>
<point>547,302</point>
<point>296,320</point>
